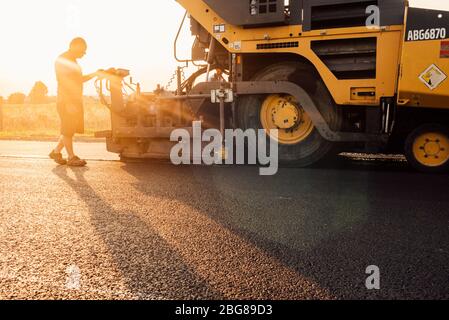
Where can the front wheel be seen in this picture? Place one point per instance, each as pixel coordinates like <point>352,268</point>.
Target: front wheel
<point>300,143</point>
<point>427,148</point>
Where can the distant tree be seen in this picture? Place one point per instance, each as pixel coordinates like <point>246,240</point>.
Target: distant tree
<point>39,93</point>
<point>17,98</point>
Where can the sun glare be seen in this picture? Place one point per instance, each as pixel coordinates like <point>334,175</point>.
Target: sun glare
<point>133,34</point>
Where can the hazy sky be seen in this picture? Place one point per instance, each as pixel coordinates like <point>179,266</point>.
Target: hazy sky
<point>133,34</point>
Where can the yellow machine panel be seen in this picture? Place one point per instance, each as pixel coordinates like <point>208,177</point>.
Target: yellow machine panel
<point>424,73</point>
<point>425,60</point>
<point>241,40</point>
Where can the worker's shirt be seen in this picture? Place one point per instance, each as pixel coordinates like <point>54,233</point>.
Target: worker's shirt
<point>70,80</point>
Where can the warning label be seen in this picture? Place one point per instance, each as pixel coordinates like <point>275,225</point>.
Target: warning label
<point>432,77</point>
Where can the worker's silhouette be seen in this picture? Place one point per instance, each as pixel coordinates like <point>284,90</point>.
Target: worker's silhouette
<point>70,101</point>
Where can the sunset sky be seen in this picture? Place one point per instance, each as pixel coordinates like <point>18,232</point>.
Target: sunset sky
<point>133,34</point>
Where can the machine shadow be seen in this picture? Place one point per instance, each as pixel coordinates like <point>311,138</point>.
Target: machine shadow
<point>138,251</point>
<point>328,225</point>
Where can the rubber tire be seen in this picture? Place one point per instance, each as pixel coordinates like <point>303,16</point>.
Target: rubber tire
<point>315,147</point>
<point>408,148</point>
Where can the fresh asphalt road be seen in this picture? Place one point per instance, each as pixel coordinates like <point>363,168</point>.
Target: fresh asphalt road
<point>156,231</point>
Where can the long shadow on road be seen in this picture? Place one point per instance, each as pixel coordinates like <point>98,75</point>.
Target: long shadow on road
<point>139,253</point>
<point>327,223</point>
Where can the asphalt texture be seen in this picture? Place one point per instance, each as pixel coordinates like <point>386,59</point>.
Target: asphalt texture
<point>155,231</point>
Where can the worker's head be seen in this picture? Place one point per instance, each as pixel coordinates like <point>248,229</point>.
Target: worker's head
<point>78,48</point>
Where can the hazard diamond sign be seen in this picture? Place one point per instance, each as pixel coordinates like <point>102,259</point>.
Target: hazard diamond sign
<point>432,77</point>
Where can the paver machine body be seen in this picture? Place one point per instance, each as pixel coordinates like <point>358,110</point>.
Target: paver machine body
<point>330,75</point>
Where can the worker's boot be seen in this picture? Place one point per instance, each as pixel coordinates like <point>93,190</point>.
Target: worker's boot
<point>76,162</point>
<point>57,157</point>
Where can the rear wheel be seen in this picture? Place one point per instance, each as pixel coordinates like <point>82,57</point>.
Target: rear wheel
<point>427,148</point>
<point>300,144</point>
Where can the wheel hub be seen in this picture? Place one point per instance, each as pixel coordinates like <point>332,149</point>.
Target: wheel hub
<point>432,149</point>
<point>284,113</point>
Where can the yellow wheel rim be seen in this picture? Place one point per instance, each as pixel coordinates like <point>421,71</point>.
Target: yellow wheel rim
<point>284,113</point>
<point>431,149</point>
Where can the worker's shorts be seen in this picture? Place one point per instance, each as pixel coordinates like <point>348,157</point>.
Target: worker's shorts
<point>72,118</point>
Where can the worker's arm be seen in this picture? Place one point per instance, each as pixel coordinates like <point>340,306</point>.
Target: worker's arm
<point>90,76</point>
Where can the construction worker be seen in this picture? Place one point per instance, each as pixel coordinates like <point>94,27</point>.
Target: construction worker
<point>70,101</point>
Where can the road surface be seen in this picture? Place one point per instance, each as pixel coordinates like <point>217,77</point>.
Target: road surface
<point>156,231</point>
